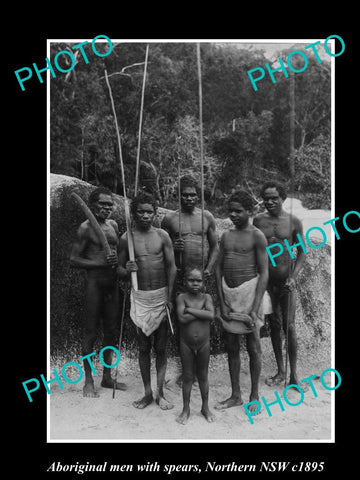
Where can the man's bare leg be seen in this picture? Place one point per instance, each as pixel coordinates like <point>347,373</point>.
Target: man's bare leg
<point>254,350</point>
<point>276,341</point>
<point>145,363</point>
<point>233,351</point>
<point>89,389</point>
<point>107,381</point>
<point>160,343</point>
<point>91,315</point>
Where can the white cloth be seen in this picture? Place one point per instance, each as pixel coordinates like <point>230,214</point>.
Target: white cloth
<point>240,299</point>
<point>148,308</point>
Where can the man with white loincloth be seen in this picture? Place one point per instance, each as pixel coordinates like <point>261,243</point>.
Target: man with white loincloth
<point>241,278</point>
<point>156,272</point>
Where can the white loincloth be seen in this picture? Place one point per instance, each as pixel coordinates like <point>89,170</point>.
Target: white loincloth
<point>240,299</point>
<point>149,309</point>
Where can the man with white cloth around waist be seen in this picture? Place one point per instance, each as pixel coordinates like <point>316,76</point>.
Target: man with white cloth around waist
<point>241,278</point>
<point>156,272</point>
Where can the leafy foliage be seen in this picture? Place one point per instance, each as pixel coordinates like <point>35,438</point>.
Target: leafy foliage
<point>313,169</point>
<point>246,133</point>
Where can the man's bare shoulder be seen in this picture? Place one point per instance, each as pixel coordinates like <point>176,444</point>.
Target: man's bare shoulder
<point>163,234</point>
<point>297,223</point>
<point>260,217</point>
<point>84,228</point>
<point>112,222</point>
<point>209,215</point>
<point>170,215</point>
<point>259,236</point>
<point>226,234</point>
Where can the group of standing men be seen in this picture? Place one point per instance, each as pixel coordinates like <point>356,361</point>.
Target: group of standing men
<point>244,279</point>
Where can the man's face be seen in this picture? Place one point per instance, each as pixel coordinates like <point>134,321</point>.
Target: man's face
<point>189,198</point>
<point>103,207</point>
<point>272,201</point>
<point>238,214</point>
<point>144,215</point>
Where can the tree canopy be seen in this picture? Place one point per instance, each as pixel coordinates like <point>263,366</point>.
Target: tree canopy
<point>246,133</point>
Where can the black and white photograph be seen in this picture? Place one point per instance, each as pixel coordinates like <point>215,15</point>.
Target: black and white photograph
<point>190,267</point>
<point>207,315</point>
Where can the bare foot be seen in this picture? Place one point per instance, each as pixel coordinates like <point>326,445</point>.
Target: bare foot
<point>294,381</point>
<point>183,417</point>
<point>252,408</point>
<point>163,403</point>
<point>228,403</point>
<point>277,379</point>
<point>89,391</point>
<point>210,417</point>
<point>143,402</point>
<point>109,383</point>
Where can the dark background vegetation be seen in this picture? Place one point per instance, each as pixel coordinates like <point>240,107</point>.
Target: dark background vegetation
<point>248,135</point>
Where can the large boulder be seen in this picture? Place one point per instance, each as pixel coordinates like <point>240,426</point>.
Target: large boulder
<point>313,314</point>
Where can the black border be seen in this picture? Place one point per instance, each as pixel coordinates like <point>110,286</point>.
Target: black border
<point>28,126</point>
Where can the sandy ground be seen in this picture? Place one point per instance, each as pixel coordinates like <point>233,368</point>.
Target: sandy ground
<point>73,417</point>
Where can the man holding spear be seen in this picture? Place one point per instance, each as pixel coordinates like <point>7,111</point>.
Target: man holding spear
<point>151,303</point>
<point>186,228</point>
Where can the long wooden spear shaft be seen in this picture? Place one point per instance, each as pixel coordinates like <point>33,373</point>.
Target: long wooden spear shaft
<point>201,156</point>
<point>130,239</point>
<point>291,160</point>
<point>179,206</point>
<point>122,321</point>
<point>140,122</point>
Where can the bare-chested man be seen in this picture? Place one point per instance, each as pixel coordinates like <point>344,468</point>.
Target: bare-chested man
<point>185,229</point>
<point>278,226</point>
<point>102,289</point>
<point>241,278</point>
<point>156,272</point>
<point>188,242</point>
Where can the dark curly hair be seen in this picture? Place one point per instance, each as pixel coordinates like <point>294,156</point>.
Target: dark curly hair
<point>274,184</point>
<point>142,197</point>
<point>190,267</point>
<point>95,194</point>
<point>189,181</point>
<point>242,197</point>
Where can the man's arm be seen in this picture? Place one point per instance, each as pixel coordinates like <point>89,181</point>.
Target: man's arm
<point>170,266</point>
<point>262,265</point>
<point>300,257</point>
<point>225,310</point>
<point>213,243</point>
<point>166,224</point>
<point>77,258</point>
<point>123,257</point>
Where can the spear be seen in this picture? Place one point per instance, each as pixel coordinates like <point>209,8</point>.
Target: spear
<point>201,155</point>
<point>179,206</point>
<point>130,239</point>
<point>140,121</point>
